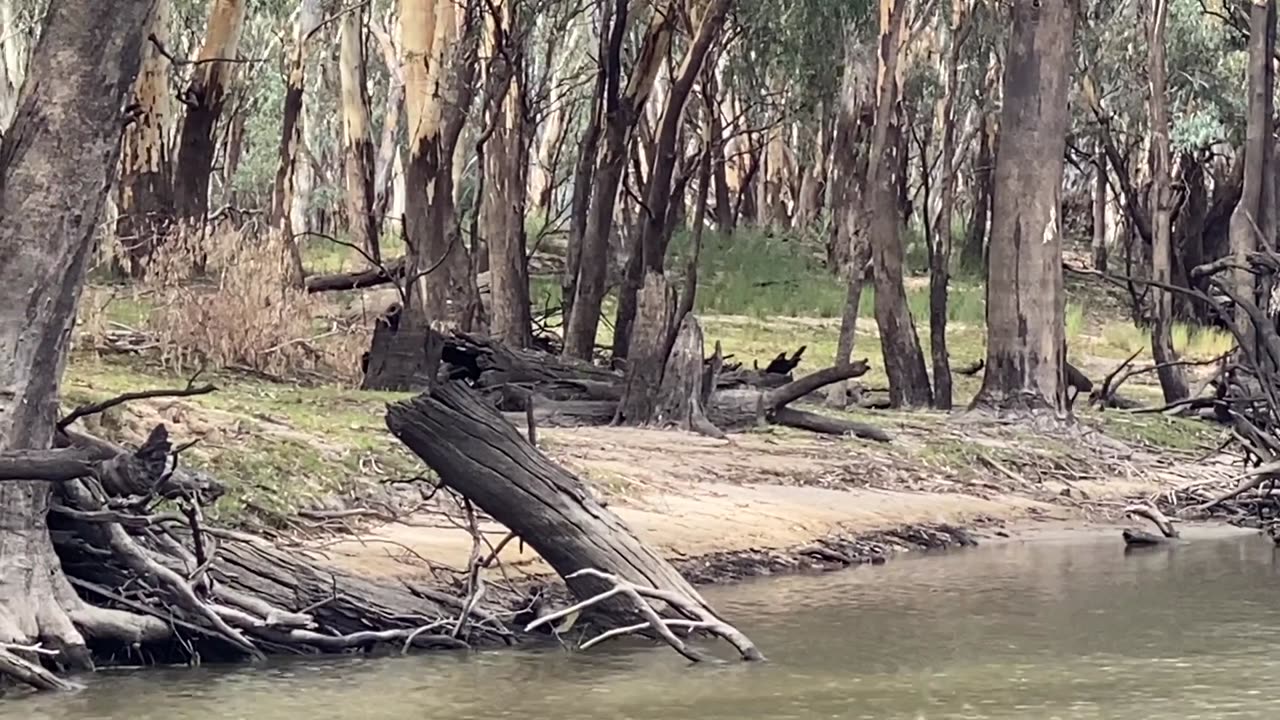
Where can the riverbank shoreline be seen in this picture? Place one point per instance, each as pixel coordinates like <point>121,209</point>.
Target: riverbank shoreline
<point>782,502</point>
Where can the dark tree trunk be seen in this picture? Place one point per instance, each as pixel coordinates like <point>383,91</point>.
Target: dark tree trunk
<point>50,201</point>
<point>145,194</point>
<point>656,225</point>
<point>1025,339</point>
<point>1255,213</point>
<point>205,98</point>
<point>903,358</point>
<point>481,456</point>
<point>623,108</point>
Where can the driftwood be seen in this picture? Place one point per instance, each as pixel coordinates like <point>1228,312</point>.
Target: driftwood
<point>699,618</point>
<point>482,457</point>
<point>740,409</point>
<point>1134,537</point>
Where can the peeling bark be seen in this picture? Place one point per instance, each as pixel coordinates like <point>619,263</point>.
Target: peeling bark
<point>205,99</point>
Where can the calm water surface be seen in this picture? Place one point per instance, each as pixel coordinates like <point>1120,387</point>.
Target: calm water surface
<point>1039,630</point>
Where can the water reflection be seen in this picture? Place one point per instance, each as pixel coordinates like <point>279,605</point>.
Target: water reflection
<point>1071,629</point>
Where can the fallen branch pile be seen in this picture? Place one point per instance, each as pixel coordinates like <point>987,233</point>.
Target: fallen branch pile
<point>566,393</point>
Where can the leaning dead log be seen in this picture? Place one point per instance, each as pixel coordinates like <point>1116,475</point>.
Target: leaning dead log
<point>481,456</point>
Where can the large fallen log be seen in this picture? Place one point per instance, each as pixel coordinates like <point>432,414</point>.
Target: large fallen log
<point>479,455</point>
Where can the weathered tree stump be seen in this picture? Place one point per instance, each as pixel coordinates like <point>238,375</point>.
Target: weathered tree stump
<point>647,357</point>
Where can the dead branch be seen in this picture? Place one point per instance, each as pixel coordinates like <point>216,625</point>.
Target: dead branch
<point>1246,482</point>
<point>701,618</point>
<point>1153,514</point>
<point>103,406</point>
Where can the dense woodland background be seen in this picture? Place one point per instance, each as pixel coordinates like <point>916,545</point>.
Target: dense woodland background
<point>531,164</point>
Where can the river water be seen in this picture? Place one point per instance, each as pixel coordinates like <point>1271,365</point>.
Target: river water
<point>1066,628</point>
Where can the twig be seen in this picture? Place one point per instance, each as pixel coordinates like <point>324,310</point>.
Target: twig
<point>98,407</point>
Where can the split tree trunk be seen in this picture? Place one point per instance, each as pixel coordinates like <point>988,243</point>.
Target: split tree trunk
<point>359,162</point>
<point>622,110</point>
<point>1255,213</point>
<point>50,200</point>
<point>899,344</point>
<point>655,231</point>
<point>506,162</point>
<point>389,144</point>
<point>1025,364</point>
<point>145,195</point>
<point>205,98</point>
<point>1172,381</point>
<point>439,288</point>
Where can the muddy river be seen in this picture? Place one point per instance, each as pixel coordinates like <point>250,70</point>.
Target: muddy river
<point>1052,628</point>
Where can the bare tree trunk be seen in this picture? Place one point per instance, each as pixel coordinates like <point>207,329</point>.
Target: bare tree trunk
<point>612,33</point>
<point>973,256</point>
<point>145,194</point>
<point>205,98</point>
<point>506,158</point>
<point>622,109</point>
<point>849,249</point>
<point>50,200</point>
<point>1172,381</point>
<point>940,255</point>
<point>439,288</point>
<point>1025,344</point>
<point>1254,214</point>
<point>900,347</point>
<point>362,216</point>
<point>654,227</point>
<point>14,45</point>
<point>654,308</point>
<point>1099,245</point>
<point>388,156</point>
<point>291,134</point>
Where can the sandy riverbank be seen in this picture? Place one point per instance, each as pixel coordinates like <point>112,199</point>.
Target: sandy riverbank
<point>764,502</point>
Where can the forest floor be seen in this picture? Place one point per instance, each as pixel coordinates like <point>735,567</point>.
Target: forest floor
<point>288,443</point>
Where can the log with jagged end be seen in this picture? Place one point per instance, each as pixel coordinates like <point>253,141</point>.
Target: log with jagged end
<point>478,454</point>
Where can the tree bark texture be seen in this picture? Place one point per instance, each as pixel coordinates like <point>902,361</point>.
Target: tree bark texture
<point>1025,367</point>
<point>655,230</point>
<point>81,72</point>
<point>1098,245</point>
<point>1172,381</point>
<point>291,135</point>
<point>439,289</point>
<point>359,163</point>
<point>940,252</point>
<point>899,344</point>
<point>506,159</point>
<point>621,113</point>
<point>205,98</point>
<point>477,453</point>
<point>1254,215</point>
<point>145,193</point>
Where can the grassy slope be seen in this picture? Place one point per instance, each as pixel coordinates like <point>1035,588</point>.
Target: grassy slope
<point>282,446</point>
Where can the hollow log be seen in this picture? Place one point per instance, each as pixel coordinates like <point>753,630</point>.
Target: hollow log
<point>481,456</point>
